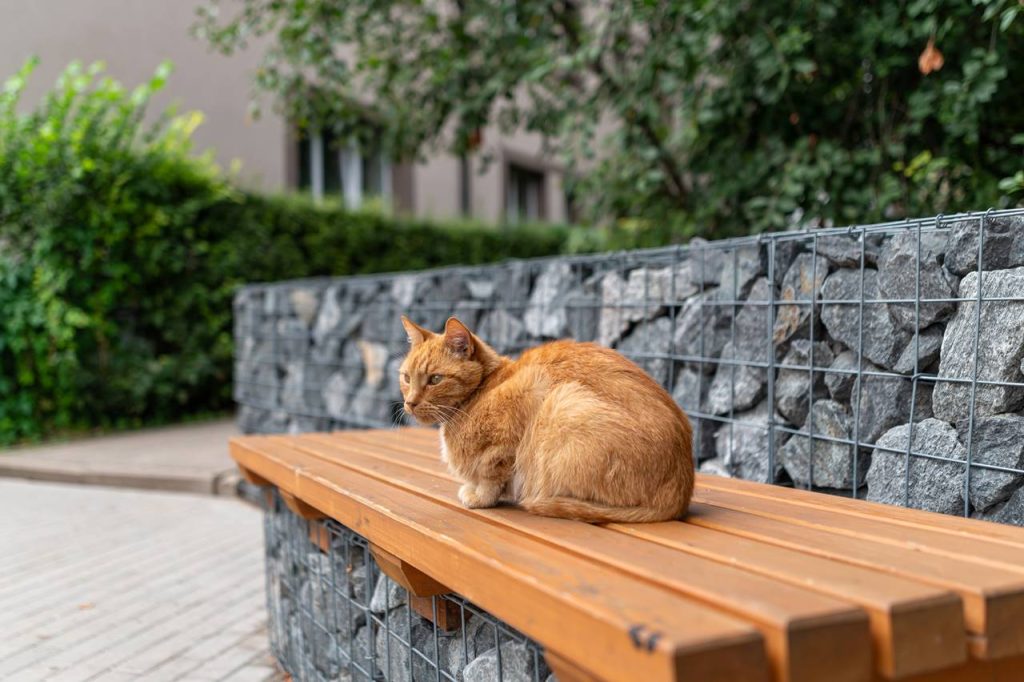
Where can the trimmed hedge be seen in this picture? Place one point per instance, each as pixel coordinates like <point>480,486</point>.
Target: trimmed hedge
<point>120,252</point>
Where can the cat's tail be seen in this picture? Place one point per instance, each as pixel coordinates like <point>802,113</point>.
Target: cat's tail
<point>592,512</point>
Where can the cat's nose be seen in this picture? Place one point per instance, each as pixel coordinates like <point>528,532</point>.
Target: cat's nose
<point>409,405</point>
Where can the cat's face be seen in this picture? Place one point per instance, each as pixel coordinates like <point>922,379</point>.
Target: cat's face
<point>440,372</point>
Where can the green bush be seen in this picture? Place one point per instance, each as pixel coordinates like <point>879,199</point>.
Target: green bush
<point>120,251</point>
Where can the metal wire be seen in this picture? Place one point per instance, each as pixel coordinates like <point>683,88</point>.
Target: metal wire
<point>332,611</point>
<point>673,310</point>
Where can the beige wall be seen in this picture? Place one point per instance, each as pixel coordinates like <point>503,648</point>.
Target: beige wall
<point>133,37</point>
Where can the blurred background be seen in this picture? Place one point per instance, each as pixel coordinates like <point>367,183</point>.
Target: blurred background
<point>155,155</point>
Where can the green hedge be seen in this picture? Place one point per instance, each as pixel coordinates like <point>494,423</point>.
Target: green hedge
<point>120,251</point>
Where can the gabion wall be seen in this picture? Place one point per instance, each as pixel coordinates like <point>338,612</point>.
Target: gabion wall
<point>334,616</point>
<point>874,361</point>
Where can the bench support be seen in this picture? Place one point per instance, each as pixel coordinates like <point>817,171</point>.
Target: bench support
<point>418,583</point>
<point>300,508</point>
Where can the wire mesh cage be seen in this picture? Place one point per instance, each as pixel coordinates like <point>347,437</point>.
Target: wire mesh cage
<point>874,361</point>
<point>335,616</point>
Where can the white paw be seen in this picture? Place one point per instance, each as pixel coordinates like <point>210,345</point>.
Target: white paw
<point>468,496</point>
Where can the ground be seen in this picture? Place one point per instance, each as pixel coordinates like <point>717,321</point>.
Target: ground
<point>111,584</point>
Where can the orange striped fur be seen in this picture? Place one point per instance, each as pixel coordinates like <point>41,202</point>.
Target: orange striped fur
<point>568,429</point>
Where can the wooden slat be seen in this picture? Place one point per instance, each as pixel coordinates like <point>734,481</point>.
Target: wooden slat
<point>916,627</point>
<point>970,530</point>
<point>993,598</point>
<point>590,610</point>
<point>924,539</point>
<point>1002,670</point>
<point>808,635</point>
<point>967,556</point>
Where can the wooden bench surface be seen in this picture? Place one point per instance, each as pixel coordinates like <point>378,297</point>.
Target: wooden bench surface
<point>759,582</point>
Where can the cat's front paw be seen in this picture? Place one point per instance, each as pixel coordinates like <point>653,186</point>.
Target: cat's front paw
<point>468,496</point>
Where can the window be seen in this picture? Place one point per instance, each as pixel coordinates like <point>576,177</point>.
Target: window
<point>524,194</point>
<point>328,166</point>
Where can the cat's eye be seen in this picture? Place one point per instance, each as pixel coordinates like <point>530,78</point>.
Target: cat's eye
<point>405,377</point>
<point>435,379</point>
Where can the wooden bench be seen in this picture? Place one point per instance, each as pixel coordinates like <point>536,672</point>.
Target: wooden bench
<point>758,583</point>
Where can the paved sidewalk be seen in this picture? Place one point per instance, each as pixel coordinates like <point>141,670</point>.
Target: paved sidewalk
<point>106,584</point>
<point>187,458</point>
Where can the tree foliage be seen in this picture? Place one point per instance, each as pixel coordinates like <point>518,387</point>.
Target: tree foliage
<point>734,116</point>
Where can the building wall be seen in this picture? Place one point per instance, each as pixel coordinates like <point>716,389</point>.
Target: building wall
<point>133,37</point>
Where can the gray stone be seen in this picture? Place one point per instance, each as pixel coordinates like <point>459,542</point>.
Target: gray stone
<point>742,447</point>
<point>933,485</point>
<point>689,390</point>
<point>387,595</point>
<point>614,318</point>
<point>394,657</point>
<point>883,341</point>
<point>293,338</point>
<point>840,383</point>
<point>927,352</point>
<point>898,279</point>
<point>304,303</point>
<point>704,262</point>
<point>369,406</point>
<point>793,388</point>
<point>833,462</point>
<point>329,621</point>
<point>545,315</point>
<point>884,402</point>
<point>715,467</point>
<point>330,317</point>
<point>337,395</point>
<point>703,328</point>
<point>516,664</point>
<point>502,331</point>
<point>583,314</point>
<point>654,338</point>
<point>382,321</point>
<point>997,441</point>
<point>403,290</point>
<point>1003,244</point>
<point>802,282</point>
<point>643,295</point>
<point>845,250</point>
<point>299,424</point>
<point>741,266</point>
<point>468,313</point>
<point>512,282</point>
<point>740,386</point>
<point>1000,349</point>
<point>479,637</point>
<point>293,397</point>
<point>480,289</point>
<point>357,582</point>
<point>361,648</point>
<point>1011,511</point>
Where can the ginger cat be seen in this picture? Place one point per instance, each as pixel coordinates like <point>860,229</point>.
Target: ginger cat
<point>572,430</point>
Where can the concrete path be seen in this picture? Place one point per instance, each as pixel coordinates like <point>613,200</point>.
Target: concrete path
<point>106,584</point>
<point>187,458</point>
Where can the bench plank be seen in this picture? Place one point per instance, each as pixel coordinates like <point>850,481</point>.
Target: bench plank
<point>970,530</point>
<point>592,612</point>
<point>916,627</point>
<point>809,636</point>
<point>1000,555</point>
<point>993,598</point>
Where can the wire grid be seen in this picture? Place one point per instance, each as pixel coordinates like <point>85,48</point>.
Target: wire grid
<point>724,326</point>
<point>327,620</point>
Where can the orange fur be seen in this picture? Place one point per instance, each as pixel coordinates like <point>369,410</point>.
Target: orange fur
<point>568,429</point>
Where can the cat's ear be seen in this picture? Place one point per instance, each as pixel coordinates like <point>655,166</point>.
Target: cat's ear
<point>457,338</point>
<point>417,334</point>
